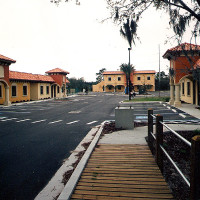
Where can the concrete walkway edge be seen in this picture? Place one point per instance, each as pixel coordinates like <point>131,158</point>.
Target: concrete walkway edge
<point>71,184</point>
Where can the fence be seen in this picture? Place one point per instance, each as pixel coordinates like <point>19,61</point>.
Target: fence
<point>160,151</point>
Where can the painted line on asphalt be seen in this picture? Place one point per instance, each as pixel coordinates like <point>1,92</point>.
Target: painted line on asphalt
<point>91,122</point>
<point>43,120</point>
<point>23,120</point>
<point>3,117</point>
<point>55,122</point>
<point>4,120</point>
<point>182,115</point>
<point>74,112</point>
<point>73,122</point>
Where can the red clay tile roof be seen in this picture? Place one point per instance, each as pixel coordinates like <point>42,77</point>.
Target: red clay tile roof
<point>29,77</point>
<point>67,81</point>
<point>179,48</point>
<point>6,59</point>
<point>57,70</point>
<point>197,64</point>
<point>145,72</point>
<point>112,72</point>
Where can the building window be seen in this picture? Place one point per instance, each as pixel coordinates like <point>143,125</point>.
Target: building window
<point>1,91</point>
<point>58,89</point>
<point>119,78</point>
<point>148,78</point>
<point>138,78</point>
<point>47,89</point>
<point>14,90</point>
<point>188,88</point>
<point>119,87</point>
<point>41,90</point>
<point>24,90</point>
<point>109,78</point>
<point>183,88</point>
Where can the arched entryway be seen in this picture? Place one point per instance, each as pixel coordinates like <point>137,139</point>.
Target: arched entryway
<point>53,91</point>
<point>4,92</point>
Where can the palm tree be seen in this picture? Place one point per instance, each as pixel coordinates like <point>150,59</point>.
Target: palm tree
<point>128,31</point>
<point>127,69</point>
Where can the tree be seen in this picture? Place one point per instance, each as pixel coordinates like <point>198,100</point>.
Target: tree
<point>163,83</point>
<point>128,31</point>
<point>80,84</point>
<point>99,75</point>
<point>127,69</point>
<point>181,12</point>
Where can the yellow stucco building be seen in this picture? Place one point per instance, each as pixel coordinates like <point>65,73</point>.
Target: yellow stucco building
<point>21,86</point>
<point>115,81</point>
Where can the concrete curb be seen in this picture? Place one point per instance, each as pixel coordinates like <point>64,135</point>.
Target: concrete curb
<point>55,185</point>
<point>71,184</point>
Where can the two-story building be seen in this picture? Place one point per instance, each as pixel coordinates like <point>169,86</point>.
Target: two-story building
<point>184,73</point>
<point>21,86</point>
<point>115,81</point>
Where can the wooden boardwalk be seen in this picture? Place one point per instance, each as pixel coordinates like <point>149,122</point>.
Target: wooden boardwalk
<point>121,172</point>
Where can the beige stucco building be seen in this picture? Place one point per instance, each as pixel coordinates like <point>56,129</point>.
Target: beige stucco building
<point>115,81</point>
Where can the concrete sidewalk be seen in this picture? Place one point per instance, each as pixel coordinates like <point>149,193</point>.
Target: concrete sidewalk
<point>124,137</point>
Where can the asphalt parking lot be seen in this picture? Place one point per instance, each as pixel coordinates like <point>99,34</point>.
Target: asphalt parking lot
<point>36,137</point>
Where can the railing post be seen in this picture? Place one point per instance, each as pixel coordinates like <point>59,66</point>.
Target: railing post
<point>150,128</point>
<point>159,141</point>
<point>195,169</point>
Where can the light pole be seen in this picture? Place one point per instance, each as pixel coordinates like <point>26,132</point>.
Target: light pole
<point>129,81</point>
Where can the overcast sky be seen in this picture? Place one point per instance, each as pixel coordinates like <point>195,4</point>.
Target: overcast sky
<point>41,36</point>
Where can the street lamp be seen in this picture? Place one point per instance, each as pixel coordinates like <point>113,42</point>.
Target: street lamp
<point>129,82</point>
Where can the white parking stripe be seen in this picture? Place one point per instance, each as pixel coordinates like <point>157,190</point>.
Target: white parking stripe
<point>3,117</point>
<point>38,121</point>
<point>23,120</point>
<point>92,122</point>
<point>55,122</point>
<point>182,115</point>
<point>73,122</point>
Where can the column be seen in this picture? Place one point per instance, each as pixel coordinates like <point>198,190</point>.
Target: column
<point>177,102</point>
<point>171,102</point>
<point>7,101</point>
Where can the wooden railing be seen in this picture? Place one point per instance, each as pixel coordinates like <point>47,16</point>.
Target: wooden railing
<point>157,139</point>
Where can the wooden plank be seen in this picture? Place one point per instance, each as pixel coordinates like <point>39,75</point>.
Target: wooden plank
<point>123,182</point>
<point>114,189</point>
<point>124,194</point>
<point>149,179</point>
<point>138,174</point>
<point>114,185</point>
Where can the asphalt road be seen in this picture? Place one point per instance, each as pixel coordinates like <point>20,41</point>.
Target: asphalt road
<point>35,138</point>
